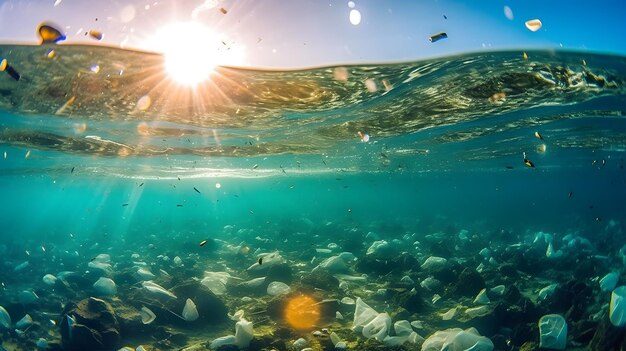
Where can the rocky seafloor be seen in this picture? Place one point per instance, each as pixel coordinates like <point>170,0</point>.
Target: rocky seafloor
<point>367,289</point>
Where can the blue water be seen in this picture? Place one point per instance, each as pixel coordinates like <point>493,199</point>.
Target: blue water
<point>287,170</point>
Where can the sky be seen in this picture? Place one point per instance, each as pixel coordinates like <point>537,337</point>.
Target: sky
<point>305,33</point>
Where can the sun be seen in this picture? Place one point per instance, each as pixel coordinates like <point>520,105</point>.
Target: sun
<point>191,51</point>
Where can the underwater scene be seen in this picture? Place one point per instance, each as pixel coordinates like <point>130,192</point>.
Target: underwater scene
<point>471,201</point>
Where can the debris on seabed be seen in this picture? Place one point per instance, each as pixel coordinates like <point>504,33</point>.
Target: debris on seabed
<point>533,25</point>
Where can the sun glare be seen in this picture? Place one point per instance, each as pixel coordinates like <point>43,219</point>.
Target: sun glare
<point>191,51</point>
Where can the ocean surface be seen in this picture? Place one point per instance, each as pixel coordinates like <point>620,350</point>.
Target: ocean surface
<point>100,153</point>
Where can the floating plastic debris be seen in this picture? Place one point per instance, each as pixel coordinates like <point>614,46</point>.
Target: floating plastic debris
<point>508,13</point>
<point>94,68</point>
<point>190,312</point>
<point>498,97</point>
<point>533,25</point>
<point>437,37</point>
<point>355,17</point>
<point>351,4</point>
<point>50,53</point>
<point>27,154</point>
<point>49,35</point>
<point>340,73</point>
<point>4,66</point>
<point>370,85</point>
<point>96,34</point>
<point>538,136</point>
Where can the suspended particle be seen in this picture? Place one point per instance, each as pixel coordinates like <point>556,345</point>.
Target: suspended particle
<point>508,13</point>
<point>355,17</point>
<point>50,53</point>
<point>364,137</point>
<point>218,185</point>
<point>223,10</point>
<point>27,154</point>
<point>144,103</point>
<point>525,56</point>
<point>94,68</point>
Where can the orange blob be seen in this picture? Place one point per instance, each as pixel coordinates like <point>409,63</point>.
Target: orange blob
<point>302,312</point>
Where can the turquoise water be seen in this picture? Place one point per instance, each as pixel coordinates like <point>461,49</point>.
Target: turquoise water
<point>278,158</point>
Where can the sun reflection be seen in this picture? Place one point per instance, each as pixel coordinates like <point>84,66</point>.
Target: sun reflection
<point>302,312</point>
<point>192,51</point>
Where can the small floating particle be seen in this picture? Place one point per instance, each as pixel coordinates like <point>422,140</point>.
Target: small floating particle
<point>594,162</point>
<point>5,155</point>
<point>569,196</point>
<point>355,17</point>
<point>255,166</point>
<point>72,171</point>
<point>584,62</point>
<point>50,53</point>
<point>179,205</point>
<point>202,243</point>
<point>529,163</point>
<point>218,185</point>
<point>437,37</point>
<point>223,10</point>
<point>349,210</point>
<point>57,2</point>
<point>80,128</point>
<point>351,4</point>
<point>445,17</point>
<point>96,34</point>
<point>542,148</point>
<point>67,104</point>
<point>49,35</point>
<point>27,154</point>
<point>509,167</point>
<point>533,25</point>
<point>603,163</point>
<point>43,248</point>
<point>508,13</point>
<point>140,185</point>
<point>364,137</point>
<point>196,189</point>
<point>538,136</point>
<point>144,103</point>
<point>94,68</point>
<point>388,86</point>
<point>124,205</point>
<point>525,56</point>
